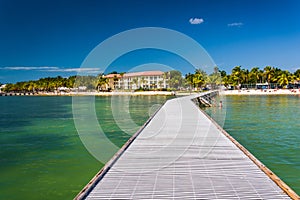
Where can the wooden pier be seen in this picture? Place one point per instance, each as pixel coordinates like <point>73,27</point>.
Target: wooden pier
<point>180,153</point>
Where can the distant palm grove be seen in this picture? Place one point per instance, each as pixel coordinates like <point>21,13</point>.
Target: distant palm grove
<point>269,75</point>
<point>239,78</point>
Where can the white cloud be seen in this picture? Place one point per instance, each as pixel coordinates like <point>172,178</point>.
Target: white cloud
<point>54,69</point>
<point>30,68</point>
<point>239,24</point>
<point>70,69</point>
<point>87,70</point>
<point>196,21</point>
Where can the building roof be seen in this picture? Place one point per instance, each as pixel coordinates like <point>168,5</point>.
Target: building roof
<point>145,73</point>
<point>133,74</point>
<point>112,76</point>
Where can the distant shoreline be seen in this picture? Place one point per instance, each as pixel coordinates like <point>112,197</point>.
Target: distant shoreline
<point>160,93</point>
<point>263,92</point>
<point>141,93</point>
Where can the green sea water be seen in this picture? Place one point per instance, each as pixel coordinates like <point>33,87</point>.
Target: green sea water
<point>41,155</point>
<point>269,127</point>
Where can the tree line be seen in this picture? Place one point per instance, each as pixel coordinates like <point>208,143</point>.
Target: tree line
<point>48,84</point>
<point>193,81</point>
<point>270,75</point>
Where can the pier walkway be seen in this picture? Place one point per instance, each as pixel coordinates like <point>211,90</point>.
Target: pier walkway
<point>182,154</point>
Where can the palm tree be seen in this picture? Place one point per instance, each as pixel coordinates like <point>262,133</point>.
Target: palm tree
<point>121,80</point>
<point>174,79</point>
<point>297,75</point>
<point>199,79</point>
<point>160,83</point>
<point>8,87</point>
<point>261,76</point>
<point>143,82</point>
<point>134,82</point>
<point>269,73</point>
<point>226,80</point>
<point>237,76</point>
<point>30,87</point>
<point>70,82</point>
<point>283,79</point>
<point>167,77</point>
<point>245,76</point>
<point>292,78</point>
<point>223,73</point>
<point>214,79</point>
<point>102,83</point>
<point>254,75</point>
<point>190,80</point>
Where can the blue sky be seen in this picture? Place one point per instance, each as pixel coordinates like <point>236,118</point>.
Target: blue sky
<point>50,38</point>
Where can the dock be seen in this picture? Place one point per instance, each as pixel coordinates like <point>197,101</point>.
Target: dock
<point>181,153</point>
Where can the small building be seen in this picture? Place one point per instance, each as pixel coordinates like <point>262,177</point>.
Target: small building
<point>82,88</point>
<point>263,86</point>
<point>63,89</point>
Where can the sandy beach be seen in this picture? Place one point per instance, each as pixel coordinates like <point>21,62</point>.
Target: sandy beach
<point>125,93</point>
<point>146,93</point>
<point>263,92</point>
<point>167,93</point>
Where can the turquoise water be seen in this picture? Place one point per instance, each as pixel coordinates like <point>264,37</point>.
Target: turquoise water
<point>41,154</point>
<point>269,127</point>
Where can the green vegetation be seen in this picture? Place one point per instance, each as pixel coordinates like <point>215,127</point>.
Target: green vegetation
<point>198,80</point>
<point>268,75</point>
<point>44,84</point>
<point>50,84</point>
<point>174,79</point>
